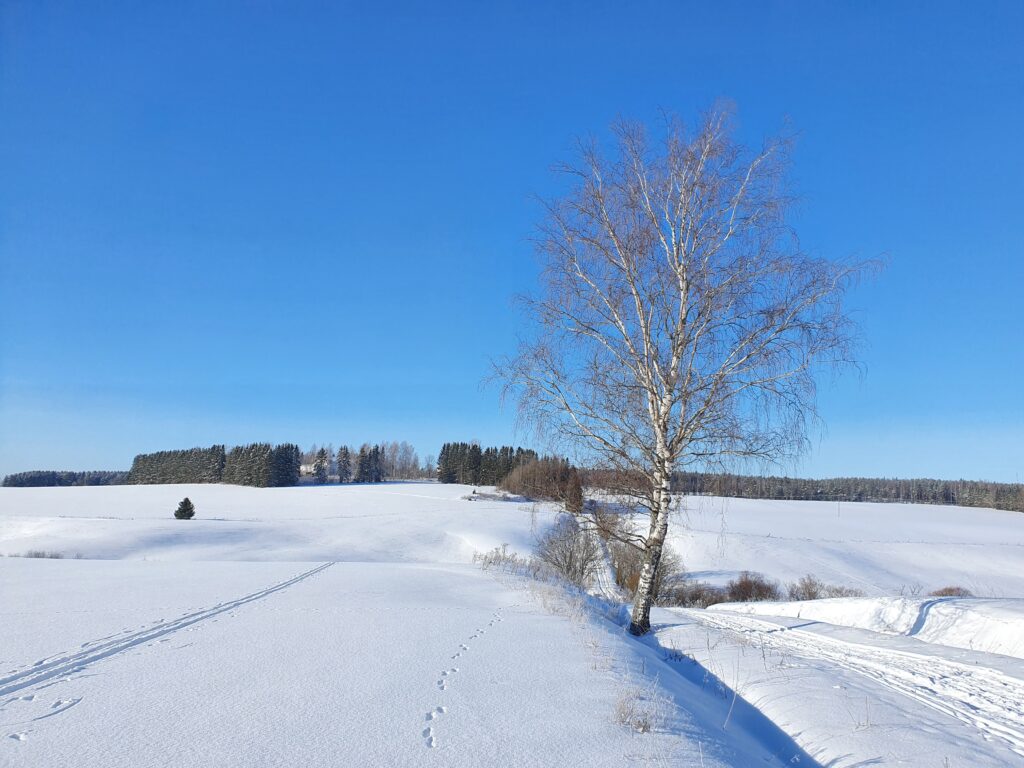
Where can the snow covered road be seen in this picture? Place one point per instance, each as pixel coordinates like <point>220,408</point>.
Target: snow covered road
<point>988,700</point>
<point>854,697</point>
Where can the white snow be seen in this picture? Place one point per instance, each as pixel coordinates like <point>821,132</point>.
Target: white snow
<point>398,522</point>
<point>328,626</point>
<point>855,697</point>
<point>994,626</point>
<point>880,549</point>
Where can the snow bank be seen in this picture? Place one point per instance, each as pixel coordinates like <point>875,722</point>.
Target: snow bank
<point>993,626</point>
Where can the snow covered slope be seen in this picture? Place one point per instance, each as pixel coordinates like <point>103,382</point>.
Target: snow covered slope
<point>273,664</point>
<point>339,626</point>
<point>347,626</point>
<point>881,549</point>
<point>397,522</point>
<point>857,697</point>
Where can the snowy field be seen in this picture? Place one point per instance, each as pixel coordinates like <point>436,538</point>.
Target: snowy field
<point>347,626</point>
<point>880,549</point>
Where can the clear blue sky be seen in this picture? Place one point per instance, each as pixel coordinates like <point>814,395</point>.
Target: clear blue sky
<point>227,222</point>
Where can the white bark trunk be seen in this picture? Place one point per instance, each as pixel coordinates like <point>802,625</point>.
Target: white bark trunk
<point>640,621</point>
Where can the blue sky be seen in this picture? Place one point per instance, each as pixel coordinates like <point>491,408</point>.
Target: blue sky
<point>226,222</point>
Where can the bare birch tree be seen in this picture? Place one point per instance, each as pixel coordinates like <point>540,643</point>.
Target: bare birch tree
<point>678,323</point>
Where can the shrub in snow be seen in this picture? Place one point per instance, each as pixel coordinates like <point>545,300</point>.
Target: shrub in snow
<point>642,710</point>
<point>750,587</point>
<point>807,588</point>
<point>810,587</point>
<point>693,594</point>
<point>570,551</point>
<point>628,560</point>
<point>185,510</point>
<point>951,592</point>
<point>836,590</point>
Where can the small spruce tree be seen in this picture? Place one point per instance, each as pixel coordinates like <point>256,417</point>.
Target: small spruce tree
<point>344,465</point>
<point>363,465</point>
<point>320,466</point>
<point>185,510</point>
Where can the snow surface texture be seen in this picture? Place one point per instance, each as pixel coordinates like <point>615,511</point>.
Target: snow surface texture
<point>396,522</point>
<point>856,697</point>
<point>995,626</point>
<point>339,626</point>
<point>326,626</point>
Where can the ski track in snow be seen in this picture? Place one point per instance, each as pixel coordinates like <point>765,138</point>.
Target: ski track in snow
<point>56,669</point>
<point>445,678</point>
<point>983,698</point>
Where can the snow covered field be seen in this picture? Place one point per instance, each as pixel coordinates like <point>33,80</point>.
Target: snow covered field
<point>347,626</point>
<point>880,549</point>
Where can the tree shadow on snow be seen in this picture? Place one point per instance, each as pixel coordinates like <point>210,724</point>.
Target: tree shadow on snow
<point>729,729</point>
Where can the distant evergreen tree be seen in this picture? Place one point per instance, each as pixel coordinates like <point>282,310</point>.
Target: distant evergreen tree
<point>445,470</point>
<point>284,465</point>
<point>489,467</point>
<point>49,478</point>
<point>344,465</point>
<point>185,510</point>
<point>473,465</point>
<point>363,464</point>
<point>320,466</point>
<point>470,464</point>
<point>249,465</point>
<point>372,461</point>
<point>194,465</point>
<point>505,463</point>
<point>370,464</point>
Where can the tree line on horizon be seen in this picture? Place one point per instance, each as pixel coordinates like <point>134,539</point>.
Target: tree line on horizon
<point>469,464</point>
<point>964,493</point>
<point>48,478</point>
<point>368,465</point>
<point>371,463</point>
<point>398,460</point>
<point>264,465</point>
<point>260,465</point>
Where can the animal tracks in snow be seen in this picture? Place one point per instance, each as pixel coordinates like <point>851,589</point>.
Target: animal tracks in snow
<point>446,676</point>
<point>442,682</point>
<point>428,733</point>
